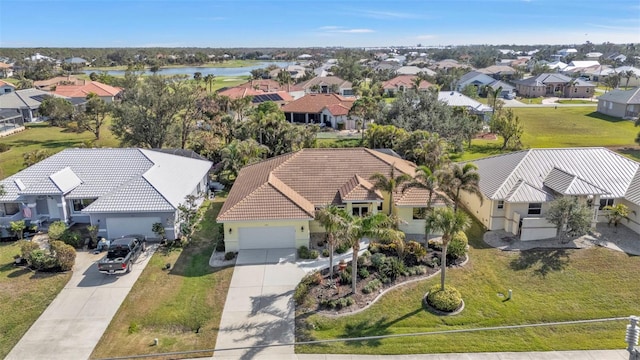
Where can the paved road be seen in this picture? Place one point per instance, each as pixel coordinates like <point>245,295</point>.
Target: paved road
<point>523,104</point>
<point>74,322</point>
<point>259,309</point>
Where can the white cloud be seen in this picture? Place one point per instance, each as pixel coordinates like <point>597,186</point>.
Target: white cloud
<point>343,30</point>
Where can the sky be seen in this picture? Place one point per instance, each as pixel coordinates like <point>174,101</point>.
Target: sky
<point>307,23</point>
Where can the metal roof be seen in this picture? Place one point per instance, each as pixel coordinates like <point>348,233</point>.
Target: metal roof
<point>622,96</point>
<point>565,183</point>
<point>454,98</point>
<point>523,192</point>
<point>599,168</point>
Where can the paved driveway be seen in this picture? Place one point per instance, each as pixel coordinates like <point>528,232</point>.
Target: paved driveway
<point>259,309</point>
<point>74,322</point>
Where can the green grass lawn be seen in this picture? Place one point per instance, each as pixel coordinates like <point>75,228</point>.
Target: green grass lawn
<point>225,64</point>
<point>536,100</point>
<point>577,101</point>
<point>24,295</point>
<point>548,286</point>
<point>181,307</point>
<point>50,138</point>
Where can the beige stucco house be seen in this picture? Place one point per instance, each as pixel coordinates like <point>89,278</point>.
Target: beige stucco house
<point>272,203</point>
<point>552,84</point>
<point>518,187</point>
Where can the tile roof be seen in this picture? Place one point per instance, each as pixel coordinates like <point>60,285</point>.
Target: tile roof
<point>406,81</point>
<point>633,193</point>
<point>598,169</point>
<point>240,92</point>
<point>27,98</point>
<point>315,103</point>
<point>417,197</point>
<point>622,96</point>
<point>325,80</point>
<point>292,185</point>
<point>498,70</point>
<point>477,77</point>
<point>359,189</point>
<point>267,85</point>
<point>4,83</point>
<point>82,91</point>
<point>121,179</point>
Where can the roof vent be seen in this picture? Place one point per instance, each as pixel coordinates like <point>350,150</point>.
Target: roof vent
<point>19,184</point>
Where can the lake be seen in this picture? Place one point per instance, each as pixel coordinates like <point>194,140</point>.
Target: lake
<point>230,71</point>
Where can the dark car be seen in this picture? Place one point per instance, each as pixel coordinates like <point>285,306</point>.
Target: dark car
<point>122,253</point>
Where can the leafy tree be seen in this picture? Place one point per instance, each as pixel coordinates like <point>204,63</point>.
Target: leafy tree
<point>384,136</point>
<point>348,67</point>
<point>470,91</point>
<point>58,110</point>
<point>24,83</point>
<point>618,212</point>
<point>449,222</point>
<point>93,76</point>
<point>197,77</point>
<point>95,115</point>
<point>570,216</point>
<point>188,215</point>
<point>389,184</point>
<point>509,126</point>
<point>191,100</point>
<point>539,69</point>
<point>628,75</point>
<point>457,178</point>
<point>332,218</point>
<point>612,81</point>
<point>35,156</point>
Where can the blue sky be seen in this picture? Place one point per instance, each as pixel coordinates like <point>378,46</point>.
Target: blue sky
<point>305,23</point>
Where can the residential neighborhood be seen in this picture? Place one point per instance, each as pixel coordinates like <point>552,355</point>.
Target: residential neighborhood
<point>355,183</point>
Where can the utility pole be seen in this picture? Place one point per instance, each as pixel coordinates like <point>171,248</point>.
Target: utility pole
<point>633,334</point>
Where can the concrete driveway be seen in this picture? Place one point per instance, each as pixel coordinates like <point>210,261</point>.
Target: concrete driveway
<point>259,309</point>
<point>74,322</point>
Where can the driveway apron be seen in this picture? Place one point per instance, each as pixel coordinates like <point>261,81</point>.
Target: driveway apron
<point>259,309</point>
<point>71,326</point>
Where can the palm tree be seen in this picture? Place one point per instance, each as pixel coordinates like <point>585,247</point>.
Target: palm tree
<point>493,95</point>
<point>432,152</point>
<point>458,178</point>
<point>209,79</point>
<point>427,180</point>
<point>332,218</point>
<point>449,222</point>
<point>284,77</point>
<point>373,225</point>
<point>617,213</point>
<point>627,74</point>
<point>24,83</point>
<point>390,184</point>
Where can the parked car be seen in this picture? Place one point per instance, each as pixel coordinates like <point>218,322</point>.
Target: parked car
<point>122,253</point>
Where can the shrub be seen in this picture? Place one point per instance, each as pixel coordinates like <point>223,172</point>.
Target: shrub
<point>158,229</point>
<point>448,300</point>
<point>17,227</point>
<point>372,286</point>
<point>342,248</point>
<point>392,267</point>
<point>305,253</point>
<point>229,256</point>
<point>414,253</point>
<point>26,247</point>
<point>325,253</point>
<point>64,254</point>
<point>301,293</point>
<point>457,246</point>
<point>434,244</point>
<point>377,260</point>
<point>56,230</point>
<point>41,260</point>
<point>313,254</point>
<point>363,273</point>
<point>345,276</point>
<point>220,247</point>
<point>417,270</point>
<point>4,147</point>
<point>72,238</point>
<point>366,254</point>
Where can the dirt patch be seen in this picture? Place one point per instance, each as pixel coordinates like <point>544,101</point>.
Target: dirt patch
<point>487,136</point>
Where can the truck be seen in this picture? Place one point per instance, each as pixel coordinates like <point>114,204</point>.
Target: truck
<point>122,253</point>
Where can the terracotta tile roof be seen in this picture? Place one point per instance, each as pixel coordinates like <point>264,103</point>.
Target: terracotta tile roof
<point>417,197</point>
<point>77,91</point>
<point>46,84</point>
<point>5,66</point>
<point>359,189</point>
<point>339,109</point>
<point>240,92</point>
<point>4,83</point>
<point>406,81</point>
<point>290,186</point>
<point>314,103</point>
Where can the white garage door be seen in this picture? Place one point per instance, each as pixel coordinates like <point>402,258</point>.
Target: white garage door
<point>117,227</point>
<point>269,237</point>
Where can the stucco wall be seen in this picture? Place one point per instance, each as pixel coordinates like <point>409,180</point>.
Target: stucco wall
<point>536,229</point>
<point>634,219</point>
<point>167,219</point>
<point>231,239</point>
<point>482,212</point>
<point>617,109</point>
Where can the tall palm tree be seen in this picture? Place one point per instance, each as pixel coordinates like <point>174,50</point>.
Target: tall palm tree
<point>332,218</point>
<point>457,178</point>
<point>373,226</point>
<point>449,222</point>
<point>427,180</point>
<point>390,184</point>
<point>210,79</point>
<point>284,77</point>
<point>628,75</point>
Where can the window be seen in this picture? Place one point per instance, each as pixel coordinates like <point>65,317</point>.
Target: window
<point>500,204</point>
<point>419,213</point>
<point>535,208</point>
<point>575,90</point>
<point>587,90</point>
<point>9,209</point>
<point>380,206</point>
<point>79,204</point>
<point>360,209</point>
<point>605,202</point>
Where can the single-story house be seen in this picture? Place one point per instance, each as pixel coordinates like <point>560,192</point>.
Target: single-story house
<point>518,187</point>
<point>122,191</point>
<point>401,83</point>
<point>414,70</point>
<point>10,122</point>
<point>257,96</point>
<point>633,80</point>
<point>6,70</point>
<point>326,85</point>
<point>272,204</point>
<point>6,87</point>
<point>623,104</point>
<point>550,84</point>
<point>50,84</point>
<point>28,101</point>
<point>499,72</point>
<point>327,109</point>
<point>507,91</point>
<point>266,85</point>
<point>106,92</point>
<point>456,99</point>
<point>76,61</point>
<point>474,78</point>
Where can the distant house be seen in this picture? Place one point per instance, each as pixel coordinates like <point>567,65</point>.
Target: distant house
<point>507,91</point>
<point>75,61</point>
<point>456,99</point>
<point>6,87</point>
<point>634,80</point>
<point>593,55</point>
<point>257,96</point>
<point>27,102</point>
<point>549,84</point>
<point>447,64</point>
<point>326,109</point>
<point>50,84</point>
<point>106,92</point>
<point>401,83</point>
<point>6,70</point>
<point>474,78</point>
<point>39,57</point>
<point>10,122</point>
<point>414,70</point>
<point>327,85</point>
<point>499,72</point>
<point>623,104</point>
<point>266,85</point>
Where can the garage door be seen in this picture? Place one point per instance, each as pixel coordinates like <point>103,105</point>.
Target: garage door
<point>269,237</point>
<point>117,227</point>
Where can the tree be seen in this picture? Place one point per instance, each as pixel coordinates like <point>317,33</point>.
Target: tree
<point>570,216</point>
<point>540,69</point>
<point>457,178</point>
<point>365,108</point>
<point>209,79</point>
<point>197,77</point>
<point>427,180</point>
<point>35,156</point>
<point>627,75</point>
<point>492,97</point>
<point>612,81</point>
<point>449,222</point>
<point>95,115</point>
<point>470,91</point>
<point>509,126</point>
<point>618,212</point>
<point>237,155</point>
<point>188,215</point>
<point>332,218</point>
<point>373,225</point>
<point>384,136</point>
<point>57,109</point>
<point>348,67</point>
<point>431,152</point>
<point>284,77</point>
<point>389,185</point>
<point>191,100</point>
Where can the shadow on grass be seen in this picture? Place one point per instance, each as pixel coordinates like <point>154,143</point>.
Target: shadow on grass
<point>22,270</point>
<point>543,261</point>
<point>631,152</point>
<point>599,116</point>
<point>378,328</point>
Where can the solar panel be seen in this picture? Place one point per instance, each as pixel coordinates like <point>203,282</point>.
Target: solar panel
<point>266,97</point>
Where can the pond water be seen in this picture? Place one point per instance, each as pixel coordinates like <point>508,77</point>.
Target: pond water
<point>229,71</point>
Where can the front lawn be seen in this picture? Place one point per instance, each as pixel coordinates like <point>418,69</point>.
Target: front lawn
<point>181,307</point>
<point>548,286</point>
<point>24,295</point>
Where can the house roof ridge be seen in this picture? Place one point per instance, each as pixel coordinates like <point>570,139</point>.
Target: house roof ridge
<point>291,194</point>
<point>382,157</point>
<point>515,168</point>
